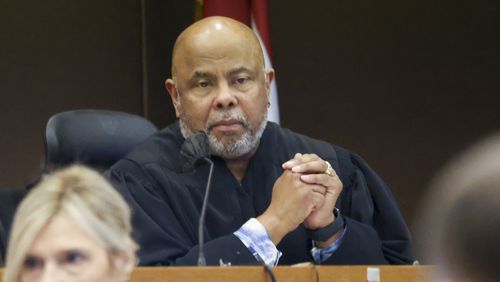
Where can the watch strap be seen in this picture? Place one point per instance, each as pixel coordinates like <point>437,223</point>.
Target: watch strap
<point>324,233</point>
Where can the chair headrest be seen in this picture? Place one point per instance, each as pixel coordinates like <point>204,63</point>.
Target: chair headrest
<point>97,138</point>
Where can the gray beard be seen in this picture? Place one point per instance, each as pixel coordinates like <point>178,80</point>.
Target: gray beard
<point>233,148</point>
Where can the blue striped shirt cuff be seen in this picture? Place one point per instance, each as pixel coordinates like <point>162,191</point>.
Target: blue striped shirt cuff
<point>254,236</point>
<point>320,255</point>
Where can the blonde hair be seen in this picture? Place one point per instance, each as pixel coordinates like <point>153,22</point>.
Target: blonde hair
<point>86,197</point>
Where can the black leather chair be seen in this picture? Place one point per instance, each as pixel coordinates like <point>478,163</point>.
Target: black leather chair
<point>3,243</point>
<point>9,200</point>
<point>96,138</point>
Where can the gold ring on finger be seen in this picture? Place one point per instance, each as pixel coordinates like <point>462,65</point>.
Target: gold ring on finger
<point>329,169</point>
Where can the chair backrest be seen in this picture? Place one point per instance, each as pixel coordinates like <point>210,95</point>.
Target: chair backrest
<point>9,200</point>
<point>97,138</point>
<point>3,244</point>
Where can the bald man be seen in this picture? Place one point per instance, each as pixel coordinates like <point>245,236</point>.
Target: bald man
<point>277,196</point>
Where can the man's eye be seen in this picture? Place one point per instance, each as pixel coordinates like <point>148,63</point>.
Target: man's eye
<point>202,84</point>
<point>32,263</point>
<point>242,80</point>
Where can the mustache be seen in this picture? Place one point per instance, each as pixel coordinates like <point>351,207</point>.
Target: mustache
<point>226,116</point>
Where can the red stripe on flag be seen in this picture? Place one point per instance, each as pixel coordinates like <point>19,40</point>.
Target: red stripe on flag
<point>243,10</point>
<point>260,17</point>
<point>236,9</point>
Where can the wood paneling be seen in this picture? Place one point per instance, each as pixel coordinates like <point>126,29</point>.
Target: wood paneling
<point>289,274</point>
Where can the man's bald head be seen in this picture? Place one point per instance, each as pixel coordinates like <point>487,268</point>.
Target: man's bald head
<point>219,85</point>
<point>211,33</point>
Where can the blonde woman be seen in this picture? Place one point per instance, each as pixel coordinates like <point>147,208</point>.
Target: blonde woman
<point>73,226</point>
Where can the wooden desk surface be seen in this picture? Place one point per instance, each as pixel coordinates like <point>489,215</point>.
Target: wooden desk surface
<point>282,273</point>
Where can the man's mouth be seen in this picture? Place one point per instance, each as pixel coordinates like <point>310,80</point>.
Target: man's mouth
<point>227,125</point>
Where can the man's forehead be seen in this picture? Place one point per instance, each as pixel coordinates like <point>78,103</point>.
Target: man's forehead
<point>211,45</point>
<point>212,73</point>
<point>216,28</point>
<point>213,51</point>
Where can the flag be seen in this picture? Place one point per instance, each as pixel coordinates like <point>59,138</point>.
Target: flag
<point>254,13</point>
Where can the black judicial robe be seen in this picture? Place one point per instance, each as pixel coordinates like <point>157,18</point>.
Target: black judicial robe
<point>166,203</point>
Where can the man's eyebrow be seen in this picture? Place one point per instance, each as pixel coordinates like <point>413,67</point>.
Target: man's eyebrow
<point>238,70</point>
<point>202,74</point>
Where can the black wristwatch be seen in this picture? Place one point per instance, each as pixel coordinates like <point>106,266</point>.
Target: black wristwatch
<point>324,233</point>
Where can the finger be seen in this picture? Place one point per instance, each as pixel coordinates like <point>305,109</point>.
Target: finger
<point>302,158</point>
<point>317,188</point>
<point>313,166</point>
<point>293,162</point>
<point>305,187</point>
<point>318,200</point>
<point>309,157</point>
<point>320,179</point>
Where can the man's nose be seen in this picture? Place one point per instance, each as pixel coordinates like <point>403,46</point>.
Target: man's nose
<point>225,98</point>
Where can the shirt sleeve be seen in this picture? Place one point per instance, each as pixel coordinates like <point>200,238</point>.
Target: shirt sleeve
<point>254,236</point>
<point>322,254</point>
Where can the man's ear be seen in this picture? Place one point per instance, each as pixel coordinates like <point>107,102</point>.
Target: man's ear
<point>174,95</point>
<point>269,76</point>
<point>123,263</point>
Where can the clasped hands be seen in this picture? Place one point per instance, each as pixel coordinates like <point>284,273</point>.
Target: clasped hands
<point>305,193</point>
